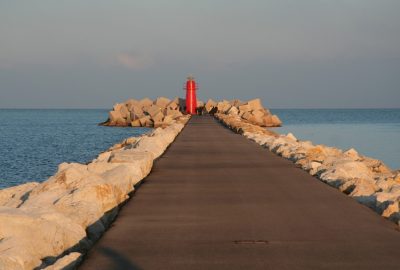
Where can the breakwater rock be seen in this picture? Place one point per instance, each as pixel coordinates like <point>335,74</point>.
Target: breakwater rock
<point>251,111</point>
<point>145,112</point>
<point>161,111</point>
<point>49,225</point>
<point>367,180</point>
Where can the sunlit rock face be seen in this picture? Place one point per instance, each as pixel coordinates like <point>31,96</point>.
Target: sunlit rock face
<point>51,224</point>
<point>160,112</point>
<point>251,111</point>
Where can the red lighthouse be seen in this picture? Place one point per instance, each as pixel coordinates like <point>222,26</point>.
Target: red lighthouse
<point>191,100</point>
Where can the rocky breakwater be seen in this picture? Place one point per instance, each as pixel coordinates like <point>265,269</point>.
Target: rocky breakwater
<point>251,111</point>
<point>49,225</point>
<point>145,112</point>
<point>367,180</point>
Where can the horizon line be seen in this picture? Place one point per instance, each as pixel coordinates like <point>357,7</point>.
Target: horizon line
<point>270,108</point>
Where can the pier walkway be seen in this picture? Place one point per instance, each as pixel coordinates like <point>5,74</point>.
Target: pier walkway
<point>216,200</point>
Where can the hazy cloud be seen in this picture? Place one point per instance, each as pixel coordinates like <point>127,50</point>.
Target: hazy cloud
<point>134,61</point>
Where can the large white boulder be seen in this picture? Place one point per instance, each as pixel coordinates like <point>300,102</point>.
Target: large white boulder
<point>145,102</point>
<point>70,176</point>
<point>255,104</point>
<point>343,170</point>
<point>14,196</point>
<point>68,262</point>
<point>162,102</point>
<point>141,160</point>
<point>29,235</point>
<point>136,113</point>
<point>392,212</point>
<point>153,110</point>
<point>116,119</point>
<point>122,109</point>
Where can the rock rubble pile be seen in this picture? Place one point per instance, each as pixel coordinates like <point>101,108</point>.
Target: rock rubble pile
<point>251,111</point>
<point>367,180</point>
<point>51,224</point>
<point>145,112</point>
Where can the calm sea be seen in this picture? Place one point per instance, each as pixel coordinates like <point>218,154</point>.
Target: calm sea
<point>34,142</point>
<point>372,132</point>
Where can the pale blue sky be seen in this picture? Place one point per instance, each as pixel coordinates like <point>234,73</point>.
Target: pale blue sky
<point>291,53</point>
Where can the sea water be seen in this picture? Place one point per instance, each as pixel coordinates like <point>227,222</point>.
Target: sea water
<point>34,142</point>
<point>372,132</point>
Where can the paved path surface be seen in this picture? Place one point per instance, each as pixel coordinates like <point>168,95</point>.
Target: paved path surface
<point>216,200</point>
